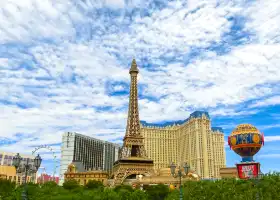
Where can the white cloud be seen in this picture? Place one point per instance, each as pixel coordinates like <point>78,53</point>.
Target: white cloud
<point>274,100</point>
<point>272,138</point>
<point>265,18</point>
<point>232,112</point>
<point>23,21</point>
<point>247,72</point>
<point>175,29</point>
<point>4,62</point>
<point>228,80</point>
<point>115,3</point>
<point>228,125</point>
<point>118,88</point>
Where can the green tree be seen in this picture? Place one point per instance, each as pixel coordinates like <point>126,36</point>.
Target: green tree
<point>139,195</point>
<point>71,184</point>
<point>93,184</point>
<point>51,189</point>
<point>172,195</point>
<point>31,189</point>
<point>124,194</point>
<point>50,184</point>
<point>109,194</point>
<point>157,192</point>
<point>265,189</point>
<point>6,188</point>
<point>118,188</point>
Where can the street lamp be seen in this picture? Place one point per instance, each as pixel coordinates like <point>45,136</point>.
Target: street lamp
<point>26,168</point>
<point>140,179</point>
<point>180,174</point>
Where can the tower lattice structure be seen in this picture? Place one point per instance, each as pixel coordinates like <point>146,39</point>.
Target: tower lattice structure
<point>133,159</point>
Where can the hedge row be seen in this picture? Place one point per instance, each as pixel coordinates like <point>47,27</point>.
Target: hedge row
<point>268,188</point>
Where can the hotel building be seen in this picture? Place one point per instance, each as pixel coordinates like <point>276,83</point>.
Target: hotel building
<point>192,140</point>
<point>93,153</point>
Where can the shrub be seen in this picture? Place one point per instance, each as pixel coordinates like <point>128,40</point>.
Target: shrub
<point>6,187</point>
<point>157,192</point>
<point>71,184</point>
<point>93,184</point>
<point>123,187</point>
<point>265,189</point>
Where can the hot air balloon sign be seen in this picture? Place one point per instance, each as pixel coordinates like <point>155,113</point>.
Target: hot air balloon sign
<point>246,140</point>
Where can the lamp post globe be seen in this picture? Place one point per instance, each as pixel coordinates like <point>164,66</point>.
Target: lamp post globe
<point>186,168</point>
<point>37,161</point>
<point>172,168</point>
<point>16,160</point>
<point>181,174</point>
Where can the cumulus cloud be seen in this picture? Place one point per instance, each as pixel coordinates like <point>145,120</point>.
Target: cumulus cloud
<point>29,20</point>
<point>274,100</point>
<point>272,138</point>
<point>57,58</point>
<point>265,19</point>
<point>232,112</point>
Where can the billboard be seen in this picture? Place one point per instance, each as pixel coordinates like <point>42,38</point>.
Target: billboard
<point>248,170</point>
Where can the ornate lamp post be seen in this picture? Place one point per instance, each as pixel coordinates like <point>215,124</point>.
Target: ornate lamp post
<point>140,179</point>
<point>180,174</point>
<point>26,168</point>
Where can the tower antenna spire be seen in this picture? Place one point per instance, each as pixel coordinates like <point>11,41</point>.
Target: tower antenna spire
<point>133,68</point>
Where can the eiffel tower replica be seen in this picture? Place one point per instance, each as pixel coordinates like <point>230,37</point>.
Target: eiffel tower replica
<point>133,159</point>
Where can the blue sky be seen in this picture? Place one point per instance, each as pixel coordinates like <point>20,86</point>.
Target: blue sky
<point>64,67</point>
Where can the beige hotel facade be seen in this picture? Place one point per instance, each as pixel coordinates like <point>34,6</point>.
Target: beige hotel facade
<point>192,140</point>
